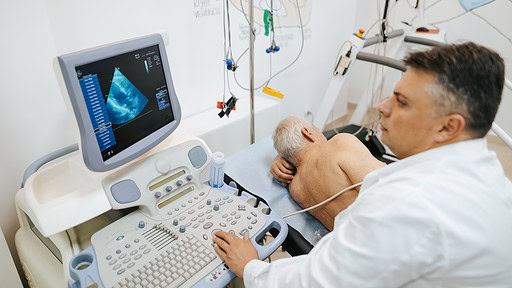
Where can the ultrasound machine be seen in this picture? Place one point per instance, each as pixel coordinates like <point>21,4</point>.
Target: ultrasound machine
<point>137,204</point>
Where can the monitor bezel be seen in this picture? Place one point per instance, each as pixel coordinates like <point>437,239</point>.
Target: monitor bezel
<point>90,148</point>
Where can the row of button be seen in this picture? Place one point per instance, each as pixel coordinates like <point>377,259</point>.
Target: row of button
<point>168,189</point>
<point>184,205</point>
<point>127,246</point>
<point>126,259</point>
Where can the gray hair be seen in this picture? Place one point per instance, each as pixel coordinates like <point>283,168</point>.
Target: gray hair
<point>445,100</point>
<point>288,138</point>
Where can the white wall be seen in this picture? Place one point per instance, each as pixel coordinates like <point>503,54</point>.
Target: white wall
<point>465,28</point>
<point>34,120</point>
<point>32,113</point>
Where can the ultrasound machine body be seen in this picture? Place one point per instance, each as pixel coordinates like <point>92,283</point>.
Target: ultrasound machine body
<point>132,207</point>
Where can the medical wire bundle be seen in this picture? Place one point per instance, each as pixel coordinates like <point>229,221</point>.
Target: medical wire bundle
<point>325,201</point>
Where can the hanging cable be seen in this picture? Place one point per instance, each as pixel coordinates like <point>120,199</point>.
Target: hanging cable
<point>449,19</point>
<point>288,66</point>
<point>494,27</point>
<point>227,107</point>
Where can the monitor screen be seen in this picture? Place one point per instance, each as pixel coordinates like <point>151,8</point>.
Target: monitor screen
<point>127,98</point>
<point>123,99</point>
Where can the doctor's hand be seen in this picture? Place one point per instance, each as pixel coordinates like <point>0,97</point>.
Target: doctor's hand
<point>234,251</point>
<point>282,170</point>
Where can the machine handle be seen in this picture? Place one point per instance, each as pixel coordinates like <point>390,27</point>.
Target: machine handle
<point>84,270</point>
<point>277,223</point>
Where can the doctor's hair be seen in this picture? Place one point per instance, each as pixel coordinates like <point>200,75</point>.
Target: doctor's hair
<point>288,138</point>
<point>469,82</point>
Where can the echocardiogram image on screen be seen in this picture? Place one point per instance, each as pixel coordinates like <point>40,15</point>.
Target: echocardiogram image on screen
<point>127,98</point>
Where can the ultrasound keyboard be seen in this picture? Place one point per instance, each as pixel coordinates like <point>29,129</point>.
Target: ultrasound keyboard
<point>168,241</point>
<point>172,267</point>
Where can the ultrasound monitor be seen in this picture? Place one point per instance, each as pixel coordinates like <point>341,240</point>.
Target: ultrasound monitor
<point>123,99</point>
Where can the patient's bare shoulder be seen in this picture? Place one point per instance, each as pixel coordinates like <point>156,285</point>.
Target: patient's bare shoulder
<point>347,144</point>
<point>353,157</point>
<point>346,140</point>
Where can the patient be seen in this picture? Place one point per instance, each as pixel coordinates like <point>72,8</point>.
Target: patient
<point>323,167</point>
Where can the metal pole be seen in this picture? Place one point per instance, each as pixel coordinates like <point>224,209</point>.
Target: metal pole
<point>251,69</point>
<point>383,28</point>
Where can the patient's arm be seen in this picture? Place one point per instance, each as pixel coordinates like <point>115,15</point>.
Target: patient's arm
<point>282,170</point>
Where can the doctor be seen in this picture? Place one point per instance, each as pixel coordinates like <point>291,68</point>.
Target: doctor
<point>439,217</point>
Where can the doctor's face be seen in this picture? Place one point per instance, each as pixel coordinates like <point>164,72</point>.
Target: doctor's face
<point>406,121</point>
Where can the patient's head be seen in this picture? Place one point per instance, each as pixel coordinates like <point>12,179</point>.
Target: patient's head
<point>292,135</point>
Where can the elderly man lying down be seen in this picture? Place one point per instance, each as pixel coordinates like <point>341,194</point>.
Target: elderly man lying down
<point>322,168</point>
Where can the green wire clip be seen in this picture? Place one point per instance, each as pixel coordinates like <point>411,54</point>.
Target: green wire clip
<point>269,21</point>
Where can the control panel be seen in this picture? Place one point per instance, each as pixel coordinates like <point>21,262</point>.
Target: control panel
<point>168,241</point>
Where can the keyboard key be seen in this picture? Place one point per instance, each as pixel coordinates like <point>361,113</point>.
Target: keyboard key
<point>156,282</point>
<point>177,282</point>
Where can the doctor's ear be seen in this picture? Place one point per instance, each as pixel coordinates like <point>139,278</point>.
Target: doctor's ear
<point>308,134</point>
<point>452,126</point>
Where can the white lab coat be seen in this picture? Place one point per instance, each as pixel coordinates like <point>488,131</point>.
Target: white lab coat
<point>442,218</point>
